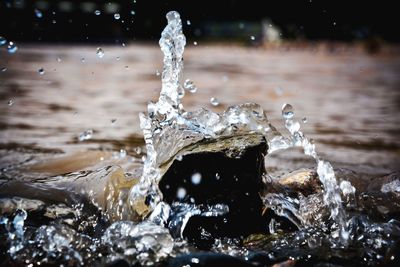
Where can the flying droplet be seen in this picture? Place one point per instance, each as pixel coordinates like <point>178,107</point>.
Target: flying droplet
<point>195,43</point>
<point>58,59</point>
<point>133,12</point>
<point>181,193</point>
<point>86,135</point>
<point>113,121</point>
<point>10,102</point>
<point>41,71</point>
<point>122,153</point>
<point>97,12</point>
<point>214,101</point>
<point>287,111</point>
<point>3,40</point>
<point>38,13</point>
<point>3,69</point>
<point>189,85</point>
<point>304,120</point>
<point>12,48</point>
<point>188,23</point>
<point>252,37</point>
<point>117,16</point>
<point>117,58</point>
<point>83,60</point>
<point>100,52</point>
<point>158,73</point>
<point>196,178</point>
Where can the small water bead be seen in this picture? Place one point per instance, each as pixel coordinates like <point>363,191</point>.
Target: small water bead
<point>86,135</point>
<point>189,85</point>
<point>3,40</point>
<point>12,47</point>
<point>117,16</point>
<point>188,22</point>
<point>97,12</point>
<point>181,193</point>
<point>10,102</point>
<point>287,111</point>
<point>117,58</point>
<point>122,153</point>
<point>133,12</point>
<point>41,71</point>
<point>214,101</point>
<point>83,60</point>
<point>38,13</point>
<point>3,69</point>
<point>304,120</point>
<point>195,43</point>
<point>100,52</point>
<point>158,73</point>
<point>58,59</point>
<point>252,38</point>
<point>196,178</point>
<point>113,121</point>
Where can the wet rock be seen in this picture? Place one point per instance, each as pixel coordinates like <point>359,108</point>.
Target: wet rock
<point>226,171</point>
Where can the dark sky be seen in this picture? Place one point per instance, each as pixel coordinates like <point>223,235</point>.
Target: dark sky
<point>315,19</point>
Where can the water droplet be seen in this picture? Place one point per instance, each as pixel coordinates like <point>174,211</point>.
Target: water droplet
<point>38,13</point>
<point>12,48</point>
<point>86,135</point>
<point>189,85</point>
<point>181,193</point>
<point>41,71</point>
<point>287,111</point>
<point>100,52</point>
<point>252,37</point>
<point>10,102</point>
<point>54,21</point>
<point>214,101</point>
<point>133,12</point>
<point>83,60</point>
<point>3,40</point>
<point>117,16</point>
<point>304,120</point>
<point>195,43</point>
<point>58,59</point>
<point>97,12</point>
<point>122,153</point>
<point>217,176</point>
<point>196,178</point>
<point>158,73</point>
<point>188,22</point>
<point>113,121</point>
<point>195,260</point>
<point>278,91</point>
<point>3,69</point>
<point>123,44</point>
<point>117,58</point>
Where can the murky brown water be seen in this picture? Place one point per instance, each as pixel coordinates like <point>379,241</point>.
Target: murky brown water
<point>350,98</point>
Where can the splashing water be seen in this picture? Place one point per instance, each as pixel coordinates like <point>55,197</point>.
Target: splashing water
<point>167,128</point>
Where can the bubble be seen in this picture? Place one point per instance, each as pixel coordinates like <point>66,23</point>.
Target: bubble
<point>181,193</point>
<point>12,47</point>
<point>3,40</point>
<point>189,85</point>
<point>196,178</point>
<point>287,111</point>
<point>38,13</point>
<point>85,135</point>
<point>117,16</point>
<point>100,52</point>
<point>252,38</point>
<point>41,71</point>
<point>214,101</point>
<point>10,102</point>
<point>97,12</point>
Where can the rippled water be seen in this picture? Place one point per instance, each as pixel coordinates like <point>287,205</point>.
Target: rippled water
<point>71,150</point>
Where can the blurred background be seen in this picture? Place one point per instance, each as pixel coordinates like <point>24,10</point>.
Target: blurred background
<point>73,67</point>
